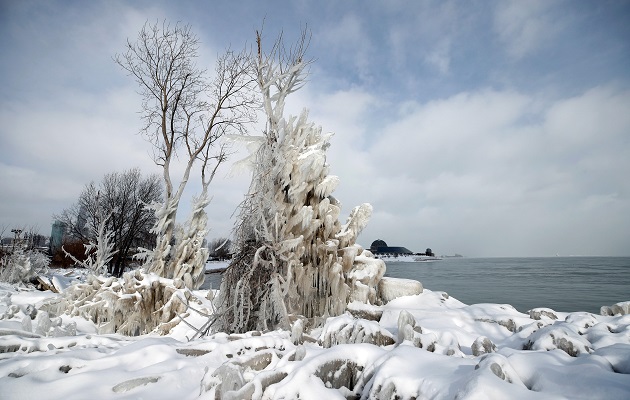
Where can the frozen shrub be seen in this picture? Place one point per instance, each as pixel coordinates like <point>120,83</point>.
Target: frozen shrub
<point>21,266</point>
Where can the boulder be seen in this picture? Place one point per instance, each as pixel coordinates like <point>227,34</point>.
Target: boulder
<point>622,308</point>
<point>483,345</point>
<point>393,288</point>
<point>539,313</point>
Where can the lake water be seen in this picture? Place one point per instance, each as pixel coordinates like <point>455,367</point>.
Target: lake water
<point>562,283</point>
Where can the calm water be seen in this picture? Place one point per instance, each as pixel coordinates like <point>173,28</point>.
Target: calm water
<point>561,283</point>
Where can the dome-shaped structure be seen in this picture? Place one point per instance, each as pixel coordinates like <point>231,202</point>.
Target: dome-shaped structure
<point>376,244</point>
<point>380,247</point>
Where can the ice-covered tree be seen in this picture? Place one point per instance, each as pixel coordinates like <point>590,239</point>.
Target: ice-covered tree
<point>292,256</point>
<point>20,263</point>
<point>185,115</point>
<point>99,252</point>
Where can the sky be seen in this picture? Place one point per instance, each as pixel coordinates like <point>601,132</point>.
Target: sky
<point>484,128</point>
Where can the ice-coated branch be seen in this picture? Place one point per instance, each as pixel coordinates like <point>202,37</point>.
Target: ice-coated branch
<point>98,254</point>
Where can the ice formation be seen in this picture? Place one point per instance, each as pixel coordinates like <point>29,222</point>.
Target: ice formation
<point>190,254</point>
<point>21,266</point>
<point>135,304</point>
<point>292,255</point>
<point>98,254</point>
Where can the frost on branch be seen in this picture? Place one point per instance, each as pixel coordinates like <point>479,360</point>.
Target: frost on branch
<point>98,254</point>
<point>190,254</point>
<point>187,257</point>
<point>292,255</point>
<point>21,266</point>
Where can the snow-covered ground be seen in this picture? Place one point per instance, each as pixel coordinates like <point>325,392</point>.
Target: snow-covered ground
<point>216,266</point>
<point>428,346</point>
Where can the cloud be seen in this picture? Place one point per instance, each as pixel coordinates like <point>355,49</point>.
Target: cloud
<point>439,57</point>
<point>492,166</point>
<point>347,42</point>
<point>492,130</point>
<point>523,26</point>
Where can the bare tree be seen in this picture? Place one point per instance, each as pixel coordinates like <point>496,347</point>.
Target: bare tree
<point>185,114</point>
<point>120,202</point>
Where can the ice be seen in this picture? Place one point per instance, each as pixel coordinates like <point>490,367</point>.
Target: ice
<point>392,288</point>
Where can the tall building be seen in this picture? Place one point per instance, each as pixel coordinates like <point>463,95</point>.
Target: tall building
<point>57,235</point>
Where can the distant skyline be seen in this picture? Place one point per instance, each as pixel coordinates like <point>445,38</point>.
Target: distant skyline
<point>484,128</point>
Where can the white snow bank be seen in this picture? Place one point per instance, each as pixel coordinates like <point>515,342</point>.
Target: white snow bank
<point>431,346</point>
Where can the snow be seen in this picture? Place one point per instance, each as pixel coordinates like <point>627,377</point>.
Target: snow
<point>427,345</point>
<point>216,266</point>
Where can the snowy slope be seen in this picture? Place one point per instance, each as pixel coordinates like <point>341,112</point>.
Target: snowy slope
<point>425,346</point>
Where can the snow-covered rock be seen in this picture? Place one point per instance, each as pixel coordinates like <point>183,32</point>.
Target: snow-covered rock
<point>347,329</point>
<point>559,337</point>
<point>391,288</point>
<point>540,313</point>
<point>621,308</point>
<point>482,345</point>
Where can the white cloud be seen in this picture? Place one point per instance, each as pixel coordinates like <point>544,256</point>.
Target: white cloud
<point>439,57</point>
<point>347,41</point>
<point>524,25</point>
<point>480,172</point>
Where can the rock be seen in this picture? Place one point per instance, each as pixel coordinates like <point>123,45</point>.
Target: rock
<point>622,308</point>
<point>346,329</point>
<point>539,313</point>
<point>440,343</point>
<point>297,331</point>
<point>392,288</point>
<point>500,367</point>
<point>582,321</point>
<point>134,383</point>
<point>483,345</point>
<point>557,337</point>
<point>406,319</point>
<point>339,373</point>
<point>192,352</point>
<point>508,324</point>
<point>365,311</point>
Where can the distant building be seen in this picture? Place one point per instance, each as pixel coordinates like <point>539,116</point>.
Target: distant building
<point>57,235</point>
<point>380,247</point>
